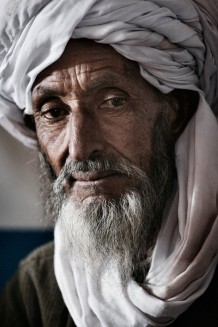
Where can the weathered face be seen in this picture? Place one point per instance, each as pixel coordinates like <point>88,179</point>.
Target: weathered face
<point>106,133</point>
<point>91,103</point>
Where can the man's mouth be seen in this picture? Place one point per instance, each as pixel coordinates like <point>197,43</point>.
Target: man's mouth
<point>93,176</point>
<point>92,184</point>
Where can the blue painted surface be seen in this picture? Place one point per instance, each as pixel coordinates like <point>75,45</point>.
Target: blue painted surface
<point>15,245</point>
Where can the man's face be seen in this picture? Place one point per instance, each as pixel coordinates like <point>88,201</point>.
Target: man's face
<point>105,133</point>
<point>93,102</point>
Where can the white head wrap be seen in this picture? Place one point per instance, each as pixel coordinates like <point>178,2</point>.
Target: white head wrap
<point>176,46</point>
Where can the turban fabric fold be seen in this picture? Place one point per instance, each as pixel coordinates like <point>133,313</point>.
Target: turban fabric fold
<point>176,46</point>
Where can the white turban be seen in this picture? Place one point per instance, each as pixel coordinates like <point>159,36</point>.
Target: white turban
<point>176,46</point>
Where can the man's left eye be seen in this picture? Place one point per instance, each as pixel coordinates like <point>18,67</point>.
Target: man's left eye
<point>55,113</point>
<point>114,102</point>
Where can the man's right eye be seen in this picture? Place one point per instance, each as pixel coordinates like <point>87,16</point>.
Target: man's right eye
<point>54,114</point>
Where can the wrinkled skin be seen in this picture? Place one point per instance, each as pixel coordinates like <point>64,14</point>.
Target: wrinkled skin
<point>93,102</point>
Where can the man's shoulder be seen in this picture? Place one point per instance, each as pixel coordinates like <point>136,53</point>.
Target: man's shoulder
<point>38,263</point>
<point>36,271</point>
<point>41,255</point>
<point>32,297</point>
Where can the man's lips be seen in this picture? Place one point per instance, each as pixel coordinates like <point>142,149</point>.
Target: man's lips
<point>93,176</point>
<point>84,185</point>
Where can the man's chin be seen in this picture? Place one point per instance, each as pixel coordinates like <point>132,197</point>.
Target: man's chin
<point>95,195</point>
<point>94,199</point>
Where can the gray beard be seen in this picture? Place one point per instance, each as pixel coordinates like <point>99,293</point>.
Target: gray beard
<point>106,232</point>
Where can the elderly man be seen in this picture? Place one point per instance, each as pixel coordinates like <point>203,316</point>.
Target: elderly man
<point>121,98</point>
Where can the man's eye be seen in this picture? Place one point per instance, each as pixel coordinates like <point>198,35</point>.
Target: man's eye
<point>113,103</point>
<point>55,113</point>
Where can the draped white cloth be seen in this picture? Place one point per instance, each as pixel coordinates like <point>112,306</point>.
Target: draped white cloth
<point>176,46</point>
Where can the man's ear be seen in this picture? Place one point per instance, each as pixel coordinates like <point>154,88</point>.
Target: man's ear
<point>184,104</point>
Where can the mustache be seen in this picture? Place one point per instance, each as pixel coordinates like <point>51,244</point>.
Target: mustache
<point>98,164</point>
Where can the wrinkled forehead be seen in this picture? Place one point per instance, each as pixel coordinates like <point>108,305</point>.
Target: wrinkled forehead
<point>85,55</point>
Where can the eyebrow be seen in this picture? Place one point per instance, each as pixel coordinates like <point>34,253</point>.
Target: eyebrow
<point>41,93</point>
<point>104,81</point>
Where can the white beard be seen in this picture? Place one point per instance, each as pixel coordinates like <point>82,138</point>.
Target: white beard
<point>103,232</point>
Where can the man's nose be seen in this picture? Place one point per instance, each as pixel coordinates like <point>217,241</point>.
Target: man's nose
<point>86,137</point>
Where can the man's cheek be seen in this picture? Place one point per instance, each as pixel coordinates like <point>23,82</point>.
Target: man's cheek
<point>54,146</point>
